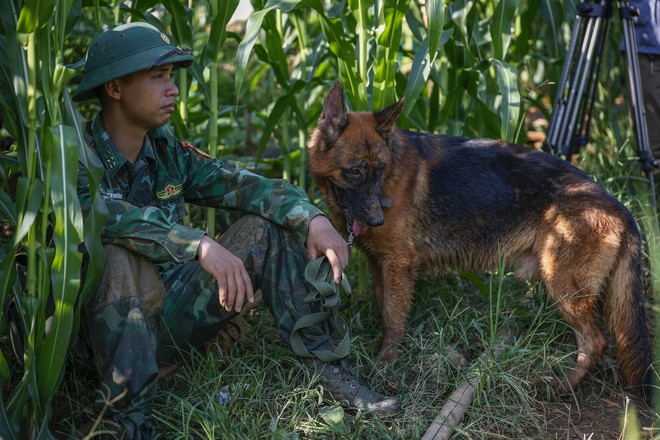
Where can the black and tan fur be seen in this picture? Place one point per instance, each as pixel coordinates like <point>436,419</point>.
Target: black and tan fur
<point>419,202</point>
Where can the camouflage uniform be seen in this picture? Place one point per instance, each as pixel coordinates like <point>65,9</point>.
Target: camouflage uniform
<point>154,300</point>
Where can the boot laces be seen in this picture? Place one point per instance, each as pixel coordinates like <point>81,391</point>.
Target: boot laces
<point>341,375</point>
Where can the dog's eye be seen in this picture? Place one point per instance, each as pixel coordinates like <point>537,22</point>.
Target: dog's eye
<point>357,171</point>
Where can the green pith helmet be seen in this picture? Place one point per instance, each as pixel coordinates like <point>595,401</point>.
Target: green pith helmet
<point>126,49</point>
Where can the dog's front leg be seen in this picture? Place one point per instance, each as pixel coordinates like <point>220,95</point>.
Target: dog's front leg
<point>376,269</point>
<point>398,281</point>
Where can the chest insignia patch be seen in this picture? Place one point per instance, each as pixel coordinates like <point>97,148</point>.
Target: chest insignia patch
<point>170,191</point>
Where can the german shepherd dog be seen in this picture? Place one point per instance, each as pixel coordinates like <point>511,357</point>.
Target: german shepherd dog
<point>419,202</point>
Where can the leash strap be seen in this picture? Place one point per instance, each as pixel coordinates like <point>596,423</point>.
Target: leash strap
<point>328,294</point>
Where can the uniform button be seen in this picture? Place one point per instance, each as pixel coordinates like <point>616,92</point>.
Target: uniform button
<point>179,254</point>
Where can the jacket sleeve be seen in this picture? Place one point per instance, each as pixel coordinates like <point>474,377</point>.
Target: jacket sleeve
<point>146,230</point>
<point>224,184</point>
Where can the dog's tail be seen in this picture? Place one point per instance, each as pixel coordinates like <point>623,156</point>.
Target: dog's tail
<point>626,316</point>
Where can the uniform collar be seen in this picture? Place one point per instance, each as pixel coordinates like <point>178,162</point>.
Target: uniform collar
<point>112,158</point>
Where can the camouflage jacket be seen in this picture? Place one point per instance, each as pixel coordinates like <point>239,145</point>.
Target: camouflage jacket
<point>146,200</point>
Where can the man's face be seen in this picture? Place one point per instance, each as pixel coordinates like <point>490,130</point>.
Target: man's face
<point>147,97</point>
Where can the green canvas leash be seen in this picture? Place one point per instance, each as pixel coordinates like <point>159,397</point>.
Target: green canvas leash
<point>328,293</point>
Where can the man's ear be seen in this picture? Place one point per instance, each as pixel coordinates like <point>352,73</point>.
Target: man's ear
<point>113,89</point>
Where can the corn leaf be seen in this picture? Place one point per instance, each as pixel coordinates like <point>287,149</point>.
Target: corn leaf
<point>252,32</point>
<point>218,30</point>
<point>65,272</point>
<point>419,73</point>
<point>7,208</point>
<point>6,433</point>
<point>181,23</point>
<point>501,27</point>
<point>95,220</point>
<point>507,80</point>
<point>388,51</point>
<point>34,15</point>
<point>435,11</point>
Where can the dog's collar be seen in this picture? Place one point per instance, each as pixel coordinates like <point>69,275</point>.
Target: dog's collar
<point>351,237</point>
<point>348,215</point>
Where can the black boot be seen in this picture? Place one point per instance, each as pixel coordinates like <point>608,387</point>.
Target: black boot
<point>345,387</point>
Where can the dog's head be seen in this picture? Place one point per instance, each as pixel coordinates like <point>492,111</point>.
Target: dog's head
<point>349,156</point>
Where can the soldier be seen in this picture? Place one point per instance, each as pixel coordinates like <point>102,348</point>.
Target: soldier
<point>167,287</point>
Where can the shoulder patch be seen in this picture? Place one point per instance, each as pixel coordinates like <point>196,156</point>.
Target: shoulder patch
<point>186,145</point>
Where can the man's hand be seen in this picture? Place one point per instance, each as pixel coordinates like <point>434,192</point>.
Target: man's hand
<point>234,284</point>
<point>323,239</point>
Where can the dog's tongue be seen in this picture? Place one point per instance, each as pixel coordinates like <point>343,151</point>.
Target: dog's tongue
<point>359,228</point>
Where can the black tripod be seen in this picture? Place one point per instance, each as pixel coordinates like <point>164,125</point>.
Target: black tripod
<point>571,116</point>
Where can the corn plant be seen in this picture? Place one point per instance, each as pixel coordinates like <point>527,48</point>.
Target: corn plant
<point>49,236</point>
<point>451,61</point>
<point>43,213</point>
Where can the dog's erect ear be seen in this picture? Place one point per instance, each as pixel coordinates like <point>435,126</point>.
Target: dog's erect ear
<point>333,118</point>
<point>386,118</point>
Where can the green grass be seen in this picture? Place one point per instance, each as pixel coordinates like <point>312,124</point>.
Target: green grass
<point>273,396</point>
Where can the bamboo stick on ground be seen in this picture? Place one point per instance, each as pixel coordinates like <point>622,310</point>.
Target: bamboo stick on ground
<point>456,406</point>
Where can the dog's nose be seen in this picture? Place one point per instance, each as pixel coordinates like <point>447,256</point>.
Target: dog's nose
<point>376,221</point>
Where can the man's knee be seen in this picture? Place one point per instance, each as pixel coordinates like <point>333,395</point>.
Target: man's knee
<point>128,275</point>
<point>254,223</point>
<point>117,256</point>
<point>248,231</point>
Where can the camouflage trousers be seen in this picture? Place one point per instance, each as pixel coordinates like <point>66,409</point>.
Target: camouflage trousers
<point>143,316</point>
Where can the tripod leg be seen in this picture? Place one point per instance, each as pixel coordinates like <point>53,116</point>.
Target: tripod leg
<point>636,98</point>
<point>578,77</point>
<point>580,102</point>
<point>557,119</point>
